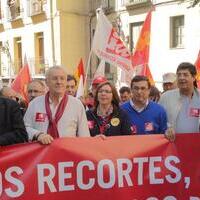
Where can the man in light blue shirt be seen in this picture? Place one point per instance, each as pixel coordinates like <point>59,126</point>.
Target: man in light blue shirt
<point>183,104</point>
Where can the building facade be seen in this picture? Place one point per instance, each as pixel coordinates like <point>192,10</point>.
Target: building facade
<point>60,32</point>
<point>48,32</point>
<point>175,32</point>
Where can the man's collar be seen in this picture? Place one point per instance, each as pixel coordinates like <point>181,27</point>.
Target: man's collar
<point>59,99</point>
<point>139,109</point>
<point>194,92</point>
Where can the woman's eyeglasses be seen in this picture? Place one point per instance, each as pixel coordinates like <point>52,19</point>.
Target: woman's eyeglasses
<point>105,91</point>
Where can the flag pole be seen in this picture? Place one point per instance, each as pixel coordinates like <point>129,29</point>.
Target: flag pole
<point>88,67</point>
<point>89,58</point>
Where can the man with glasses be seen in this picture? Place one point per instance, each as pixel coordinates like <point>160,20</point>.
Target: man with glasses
<point>183,104</point>
<point>147,117</point>
<point>35,88</point>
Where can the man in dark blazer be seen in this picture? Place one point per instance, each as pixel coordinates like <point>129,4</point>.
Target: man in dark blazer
<point>12,129</point>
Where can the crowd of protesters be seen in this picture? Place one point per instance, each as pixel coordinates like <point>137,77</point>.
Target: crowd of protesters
<point>53,110</point>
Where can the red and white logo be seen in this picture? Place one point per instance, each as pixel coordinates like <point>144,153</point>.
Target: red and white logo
<point>134,129</point>
<point>40,117</point>
<point>115,45</point>
<point>91,124</point>
<point>148,126</point>
<point>194,112</point>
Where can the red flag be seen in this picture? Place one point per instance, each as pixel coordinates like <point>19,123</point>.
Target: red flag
<point>140,58</point>
<point>146,72</point>
<point>80,71</point>
<point>197,64</point>
<point>21,81</point>
<point>80,77</point>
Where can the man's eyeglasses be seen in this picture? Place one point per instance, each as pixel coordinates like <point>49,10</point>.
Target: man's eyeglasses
<point>136,88</point>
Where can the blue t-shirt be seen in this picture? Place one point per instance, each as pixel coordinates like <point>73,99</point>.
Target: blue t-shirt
<point>152,120</point>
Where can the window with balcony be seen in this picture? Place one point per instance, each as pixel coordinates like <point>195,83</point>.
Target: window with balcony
<point>137,1</point>
<point>134,4</point>
<point>123,2</point>
<point>105,4</point>
<point>13,9</point>
<point>177,31</point>
<point>135,29</point>
<point>18,53</point>
<point>36,7</point>
<point>39,53</point>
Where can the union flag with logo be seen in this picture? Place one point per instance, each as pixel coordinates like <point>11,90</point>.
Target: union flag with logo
<point>108,46</point>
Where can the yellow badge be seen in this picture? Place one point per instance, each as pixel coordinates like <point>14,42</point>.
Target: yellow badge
<point>115,121</point>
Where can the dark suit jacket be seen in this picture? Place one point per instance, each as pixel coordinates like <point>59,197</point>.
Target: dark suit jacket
<point>12,129</point>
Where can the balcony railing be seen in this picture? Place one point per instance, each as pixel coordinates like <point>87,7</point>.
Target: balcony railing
<point>135,2</point>
<point>124,2</point>
<point>105,4</point>
<point>40,65</point>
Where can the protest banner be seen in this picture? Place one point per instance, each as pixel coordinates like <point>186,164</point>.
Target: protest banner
<point>126,167</point>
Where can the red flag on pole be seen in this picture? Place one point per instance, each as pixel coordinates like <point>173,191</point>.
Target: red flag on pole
<point>140,58</point>
<point>146,72</point>
<point>22,79</point>
<point>197,64</point>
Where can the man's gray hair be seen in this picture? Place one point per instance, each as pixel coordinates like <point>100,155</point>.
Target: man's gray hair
<point>55,67</point>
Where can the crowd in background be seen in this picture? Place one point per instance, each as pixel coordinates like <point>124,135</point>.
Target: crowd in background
<point>53,110</point>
